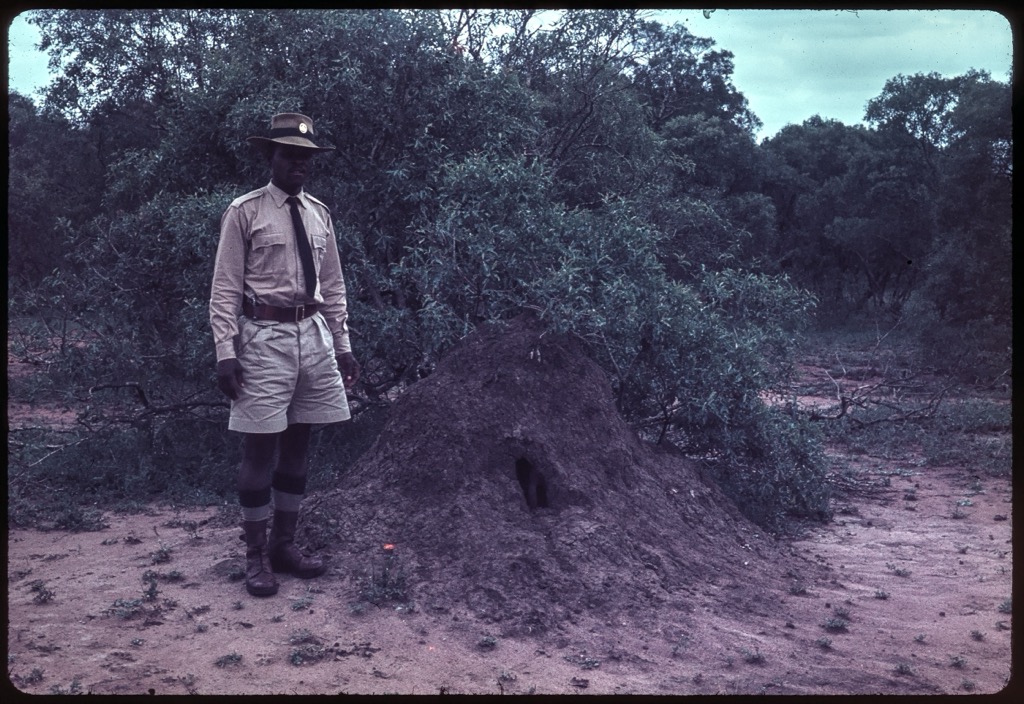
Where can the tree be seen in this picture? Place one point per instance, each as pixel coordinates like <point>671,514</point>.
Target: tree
<point>918,108</point>
<point>121,57</point>
<point>468,184</point>
<point>53,177</point>
<point>679,75</point>
<point>964,305</point>
<point>816,176</point>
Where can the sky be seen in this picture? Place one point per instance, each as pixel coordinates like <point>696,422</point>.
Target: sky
<point>794,64</point>
<point>789,64</point>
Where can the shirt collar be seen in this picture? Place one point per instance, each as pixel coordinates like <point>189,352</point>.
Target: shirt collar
<point>280,197</point>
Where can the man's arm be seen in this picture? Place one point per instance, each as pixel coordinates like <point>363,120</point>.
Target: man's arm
<point>335,308</point>
<point>332,288</point>
<point>227,289</point>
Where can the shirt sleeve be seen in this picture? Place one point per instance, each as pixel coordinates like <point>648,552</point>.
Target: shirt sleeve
<point>332,288</point>
<point>227,289</point>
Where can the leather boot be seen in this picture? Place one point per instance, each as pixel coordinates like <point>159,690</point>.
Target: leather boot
<point>259,580</point>
<point>284,555</point>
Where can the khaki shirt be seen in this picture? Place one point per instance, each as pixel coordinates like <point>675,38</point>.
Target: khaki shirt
<point>257,257</point>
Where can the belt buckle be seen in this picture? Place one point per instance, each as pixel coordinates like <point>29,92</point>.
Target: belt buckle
<point>300,313</point>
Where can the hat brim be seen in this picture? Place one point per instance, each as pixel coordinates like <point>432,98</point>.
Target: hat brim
<point>264,143</point>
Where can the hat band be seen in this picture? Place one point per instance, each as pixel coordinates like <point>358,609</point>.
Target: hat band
<point>289,132</point>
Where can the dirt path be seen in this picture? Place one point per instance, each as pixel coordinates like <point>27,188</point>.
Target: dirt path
<point>919,571</point>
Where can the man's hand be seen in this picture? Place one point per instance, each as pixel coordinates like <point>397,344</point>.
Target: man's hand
<point>229,377</point>
<point>349,368</point>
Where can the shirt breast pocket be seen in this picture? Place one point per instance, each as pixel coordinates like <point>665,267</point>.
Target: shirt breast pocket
<point>268,258</point>
<point>319,249</point>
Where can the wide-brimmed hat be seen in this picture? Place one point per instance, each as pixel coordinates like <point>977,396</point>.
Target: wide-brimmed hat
<point>289,128</point>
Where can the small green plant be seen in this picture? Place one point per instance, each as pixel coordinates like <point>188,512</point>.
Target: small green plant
<point>919,638</point>
<point>824,643</point>
<point>680,645</point>
<point>797,589</point>
<point>302,603</point>
<point>172,576</point>
<point>74,688</point>
<point>125,608</point>
<point>904,669</point>
<point>238,606</point>
<point>202,627</point>
<point>962,549</point>
<point>161,555</point>
<point>967,685</point>
<point>836,625</point>
<point>150,593</point>
<point>34,677</point>
<point>79,519</point>
<point>1006,606</point>
<point>137,642</point>
<point>755,657</point>
<point>385,582</point>
<point>277,619</point>
<point>583,660</point>
<point>898,571</point>
<point>236,574</point>
<point>957,661</point>
<point>841,612</point>
<point>307,654</point>
<point>228,660</point>
<point>958,512</point>
<point>40,594</point>
<point>487,643</point>
<point>977,635</point>
<point>302,636</point>
<point>880,594</point>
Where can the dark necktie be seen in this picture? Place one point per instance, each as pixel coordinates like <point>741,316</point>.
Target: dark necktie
<point>305,253</point>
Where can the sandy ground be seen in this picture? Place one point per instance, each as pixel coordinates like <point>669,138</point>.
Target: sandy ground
<point>918,568</point>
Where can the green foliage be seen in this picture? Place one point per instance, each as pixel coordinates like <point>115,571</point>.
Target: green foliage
<point>384,581</point>
<point>753,657</point>
<point>53,176</point>
<point>229,660</point>
<point>835,624</point>
<point>601,173</point>
<point>40,593</point>
<point>910,220</point>
<point>973,434</point>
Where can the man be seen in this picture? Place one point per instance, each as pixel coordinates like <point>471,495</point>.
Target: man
<point>279,319</point>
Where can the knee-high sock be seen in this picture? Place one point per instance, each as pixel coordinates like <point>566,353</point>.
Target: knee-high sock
<point>255,504</point>
<point>288,491</point>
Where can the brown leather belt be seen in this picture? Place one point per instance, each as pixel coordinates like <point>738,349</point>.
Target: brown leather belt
<point>281,315</point>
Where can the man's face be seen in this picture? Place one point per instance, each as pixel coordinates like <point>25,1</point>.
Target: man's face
<point>289,167</point>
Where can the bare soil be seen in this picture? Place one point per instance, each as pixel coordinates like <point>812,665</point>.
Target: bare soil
<point>634,576</point>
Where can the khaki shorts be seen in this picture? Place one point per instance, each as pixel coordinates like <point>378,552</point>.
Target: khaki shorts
<point>290,376</point>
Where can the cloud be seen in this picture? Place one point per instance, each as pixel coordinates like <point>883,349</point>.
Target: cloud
<point>792,64</point>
